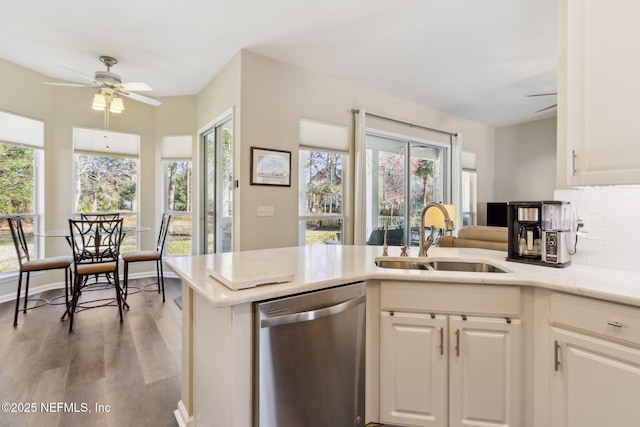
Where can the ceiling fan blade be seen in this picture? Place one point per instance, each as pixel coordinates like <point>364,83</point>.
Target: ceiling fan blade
<point>66,84</point>
<point>135,86</point>
<point>140,98</point>
<point>542,94</point>
<point>547,108</point>
<point>91,79</point>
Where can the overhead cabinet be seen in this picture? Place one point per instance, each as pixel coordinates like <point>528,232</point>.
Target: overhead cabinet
<point>440,366</point>
<point>599,87</point>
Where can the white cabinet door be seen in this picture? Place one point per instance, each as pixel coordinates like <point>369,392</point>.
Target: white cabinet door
<point>602,61</point>
<point>484,369</point>
<point>595,383</point>
<point>413,369</point>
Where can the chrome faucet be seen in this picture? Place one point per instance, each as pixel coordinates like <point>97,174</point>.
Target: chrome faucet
<point>448,223</point>
<point>385,247</point>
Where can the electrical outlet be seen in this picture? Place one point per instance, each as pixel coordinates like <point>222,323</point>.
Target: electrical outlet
<point>265,210</point>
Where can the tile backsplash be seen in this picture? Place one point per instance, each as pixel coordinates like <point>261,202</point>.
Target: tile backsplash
<point>611,217</point>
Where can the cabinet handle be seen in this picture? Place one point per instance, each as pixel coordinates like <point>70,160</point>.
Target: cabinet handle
<point>613,323</point>
<point>458,342</point>
<point>441,341</point>
<point>573,162</point>
<point>556,358</point>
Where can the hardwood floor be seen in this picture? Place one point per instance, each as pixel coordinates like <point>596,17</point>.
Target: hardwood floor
<point>104,373</point>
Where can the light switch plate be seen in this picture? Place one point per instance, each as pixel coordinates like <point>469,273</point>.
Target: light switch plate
<point>265,210</point>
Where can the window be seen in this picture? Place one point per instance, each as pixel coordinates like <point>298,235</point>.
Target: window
<point>403,174</point>
<point>321,205</point>
<point>321,182</point>
<point>469,189</point>
<point>178,196</point>
<point>21,157</point>
<point>106,171</point>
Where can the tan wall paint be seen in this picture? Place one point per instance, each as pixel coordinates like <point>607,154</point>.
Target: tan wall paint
<point>526,161</point>
<point>275,95</point>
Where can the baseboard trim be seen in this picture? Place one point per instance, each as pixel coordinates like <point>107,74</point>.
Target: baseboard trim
<point>182,416</point>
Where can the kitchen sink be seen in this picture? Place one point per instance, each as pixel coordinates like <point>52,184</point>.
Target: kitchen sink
<point>478,267</point>
<point>438,265</point>
<point>405,265</point>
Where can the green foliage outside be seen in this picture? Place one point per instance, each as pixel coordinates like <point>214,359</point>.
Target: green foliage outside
<point>105,184</point>
<point>319,237</point>
<point>16,179</point>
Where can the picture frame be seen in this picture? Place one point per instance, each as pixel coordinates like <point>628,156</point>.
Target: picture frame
<point>270,167</point>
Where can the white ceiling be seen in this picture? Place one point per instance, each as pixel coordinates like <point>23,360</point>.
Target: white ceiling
<point>477,59</point>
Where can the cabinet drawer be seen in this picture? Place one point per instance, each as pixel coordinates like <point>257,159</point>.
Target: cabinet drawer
<point>450,298</point>
<point>607,319</point>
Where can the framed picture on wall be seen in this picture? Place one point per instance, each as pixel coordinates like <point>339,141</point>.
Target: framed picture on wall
<point>270,167</point>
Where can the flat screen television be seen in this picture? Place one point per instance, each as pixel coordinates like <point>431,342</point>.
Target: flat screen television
<point>497,214</point>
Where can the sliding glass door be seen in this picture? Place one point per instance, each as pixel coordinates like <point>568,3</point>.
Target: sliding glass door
<point>218,187</point>
<point>402,176</point>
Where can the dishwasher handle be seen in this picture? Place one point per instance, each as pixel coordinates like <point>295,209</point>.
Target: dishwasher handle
<point>313,314</point>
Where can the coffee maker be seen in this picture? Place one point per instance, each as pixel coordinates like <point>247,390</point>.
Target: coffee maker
<point>538,232</point>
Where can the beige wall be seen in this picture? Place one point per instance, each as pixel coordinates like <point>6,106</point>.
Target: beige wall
<point>526,161</point>
<point>275,95</point>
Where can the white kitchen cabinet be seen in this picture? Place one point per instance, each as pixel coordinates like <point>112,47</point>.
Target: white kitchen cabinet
<point>596,369</point>
<point>413,374</point>
<point>440,369</point>
<point>599,91</point>
<point>484,372</point>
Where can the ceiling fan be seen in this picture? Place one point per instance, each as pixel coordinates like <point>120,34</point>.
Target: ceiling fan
<point>545,94</point>
<point>110,84</point>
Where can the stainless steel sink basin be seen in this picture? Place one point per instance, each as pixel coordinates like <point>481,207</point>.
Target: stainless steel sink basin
<point>438,265</point>
<point>478,267</point>
<point>405,265</point>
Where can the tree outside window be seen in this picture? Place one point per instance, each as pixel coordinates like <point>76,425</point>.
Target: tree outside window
<point>178,203</point>
<point>108,184</point>
<point>18,184</point>
<point>321,209</point>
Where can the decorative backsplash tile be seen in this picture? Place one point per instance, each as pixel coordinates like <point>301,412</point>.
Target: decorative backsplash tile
<point>611,217</point>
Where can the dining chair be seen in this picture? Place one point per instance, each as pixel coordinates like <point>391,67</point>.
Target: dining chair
<point>96,251</point>
<point>142,256</point>
<point>27,265</point>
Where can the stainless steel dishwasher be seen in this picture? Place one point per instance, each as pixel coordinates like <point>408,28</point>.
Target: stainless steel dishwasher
<point>309,359</point>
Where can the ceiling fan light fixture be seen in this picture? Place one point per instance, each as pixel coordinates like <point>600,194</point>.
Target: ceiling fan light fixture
<point>99,102</point>
<point>116,105</point>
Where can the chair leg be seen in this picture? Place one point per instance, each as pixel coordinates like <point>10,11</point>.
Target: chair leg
<point>118,296</point>
<point>125,279</point>
<point>67,277</point>
<point>15,318</point>
<point>26,293</point>
<point>161,278</point>
<point>74,300</point>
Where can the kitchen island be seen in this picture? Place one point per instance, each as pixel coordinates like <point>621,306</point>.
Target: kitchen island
<point>217,320</point>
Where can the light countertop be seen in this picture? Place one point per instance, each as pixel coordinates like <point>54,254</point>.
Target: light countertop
<point>321,266</point>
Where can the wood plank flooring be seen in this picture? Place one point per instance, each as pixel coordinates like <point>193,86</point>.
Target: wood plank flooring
<point>133,367</point>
